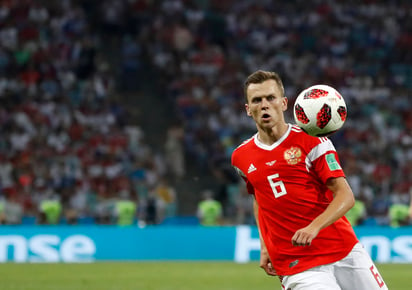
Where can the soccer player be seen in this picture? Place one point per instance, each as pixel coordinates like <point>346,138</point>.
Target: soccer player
<point>300,199</point>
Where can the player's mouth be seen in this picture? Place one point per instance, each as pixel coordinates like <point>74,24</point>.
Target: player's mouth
<point>265,117</point>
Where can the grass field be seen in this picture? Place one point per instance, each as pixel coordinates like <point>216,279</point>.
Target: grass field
<point>160,276</point>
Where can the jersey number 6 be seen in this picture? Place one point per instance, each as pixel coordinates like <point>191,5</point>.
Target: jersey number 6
<point>278,187</point>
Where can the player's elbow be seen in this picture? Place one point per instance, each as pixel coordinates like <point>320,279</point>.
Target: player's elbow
<point>347,199</point>
<point>350,201</point>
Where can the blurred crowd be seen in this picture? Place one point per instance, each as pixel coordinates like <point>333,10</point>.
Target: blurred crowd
<point>68,148</point>
<point>64,135</point>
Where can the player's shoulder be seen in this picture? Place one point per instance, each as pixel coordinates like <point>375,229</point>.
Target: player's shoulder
<point>305,138</point>
<point>296,129</point>
<point>242,149</point>
<point>244,144</point>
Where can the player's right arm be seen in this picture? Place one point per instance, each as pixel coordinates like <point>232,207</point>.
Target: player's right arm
<point>343,200</point>
<point>265,262</point>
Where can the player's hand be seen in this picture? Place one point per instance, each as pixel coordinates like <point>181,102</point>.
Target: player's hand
<point>304,236</point>
<point>266,264</point>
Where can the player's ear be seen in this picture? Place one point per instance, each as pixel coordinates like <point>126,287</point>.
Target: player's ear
<point>247,110</point>
<point>285,104</point>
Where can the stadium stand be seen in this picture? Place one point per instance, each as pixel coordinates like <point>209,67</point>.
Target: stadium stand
<point>102,99</point>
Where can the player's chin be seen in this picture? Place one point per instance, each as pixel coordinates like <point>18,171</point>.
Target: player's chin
<point>267,124</point>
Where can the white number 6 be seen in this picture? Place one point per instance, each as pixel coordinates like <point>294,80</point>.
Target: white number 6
<point>278,187</point>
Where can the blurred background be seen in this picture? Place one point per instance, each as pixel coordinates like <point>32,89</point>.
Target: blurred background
<point>127,112</point>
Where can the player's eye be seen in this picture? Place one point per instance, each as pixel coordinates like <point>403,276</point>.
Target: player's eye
<point>270,98</point>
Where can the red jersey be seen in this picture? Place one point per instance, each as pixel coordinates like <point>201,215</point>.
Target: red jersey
<point>288,180</point>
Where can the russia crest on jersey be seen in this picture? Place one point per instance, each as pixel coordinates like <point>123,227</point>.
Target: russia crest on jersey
<point>292,155</point>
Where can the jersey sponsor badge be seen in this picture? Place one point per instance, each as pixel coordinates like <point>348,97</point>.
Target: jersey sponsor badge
<point>332,162</point>
<point>292,155</point>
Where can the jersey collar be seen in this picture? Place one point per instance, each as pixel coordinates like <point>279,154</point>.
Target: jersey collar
<point>274,145</point>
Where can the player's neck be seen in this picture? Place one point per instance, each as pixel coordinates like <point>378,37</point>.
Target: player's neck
<point>270,136</point>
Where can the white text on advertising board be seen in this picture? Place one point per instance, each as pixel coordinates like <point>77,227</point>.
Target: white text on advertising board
<point>46,248</point>
<point>381,248</point>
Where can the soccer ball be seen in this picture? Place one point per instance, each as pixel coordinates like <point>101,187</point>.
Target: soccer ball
<point>320,110</point>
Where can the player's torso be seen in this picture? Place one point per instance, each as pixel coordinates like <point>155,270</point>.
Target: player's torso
<point>282,176</point>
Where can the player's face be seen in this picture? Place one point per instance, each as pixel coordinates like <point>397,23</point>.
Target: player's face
<point>266,104</point>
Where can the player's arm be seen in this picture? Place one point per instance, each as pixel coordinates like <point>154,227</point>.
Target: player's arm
<point>265,262</point>
<point>343,201</point>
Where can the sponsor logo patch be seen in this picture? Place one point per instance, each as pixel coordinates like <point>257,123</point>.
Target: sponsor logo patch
<point>332,162</point>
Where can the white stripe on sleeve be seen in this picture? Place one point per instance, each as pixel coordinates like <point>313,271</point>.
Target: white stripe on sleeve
<point>319,150</point>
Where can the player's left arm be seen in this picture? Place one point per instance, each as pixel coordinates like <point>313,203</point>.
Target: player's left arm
<point>343,201</point>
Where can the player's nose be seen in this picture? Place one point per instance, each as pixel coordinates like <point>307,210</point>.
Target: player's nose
<point>265,103</point>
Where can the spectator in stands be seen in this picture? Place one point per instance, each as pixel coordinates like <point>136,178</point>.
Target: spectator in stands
<point>209,210</point>
<point>125,210</point>
<point>166,199</point>
<point>50,211</point>
<point>401,214</point>
<point>174,152</point>
<point>11,209</point>
<point>150,211</point>
<point>244,207</point>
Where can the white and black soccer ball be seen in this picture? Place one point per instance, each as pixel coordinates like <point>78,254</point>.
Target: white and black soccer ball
<point>320,110</point>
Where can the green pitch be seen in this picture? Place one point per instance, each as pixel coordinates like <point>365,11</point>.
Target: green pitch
<point>159,276</point>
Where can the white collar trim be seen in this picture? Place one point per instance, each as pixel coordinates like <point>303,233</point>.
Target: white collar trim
<point>263,146</point>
